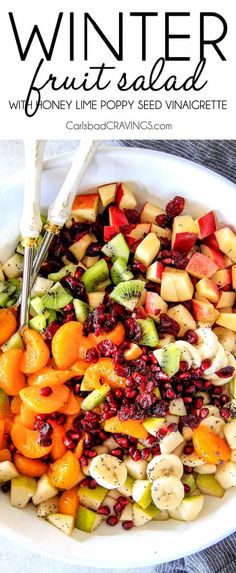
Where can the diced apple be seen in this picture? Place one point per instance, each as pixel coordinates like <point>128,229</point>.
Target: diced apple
<point>160,231</point>
<point>226,239</point>
<point>139,231</point>
<point>176,285</point>
<point>7,471</point>
<point>44,490</point>
<point>211,241</point>
<point>233,271</point>
<point>201,266</point>
<point>125,198</point>
<point>208,289</point>
<point>73,219</point>
<point>167,339</point>
<point>86,207</point>
<point>150,212</point>
<point>13,267</point>
<point>154,305</point>
<point>154,272</point>
<point>203,311</point>
<point>227,298</point>
<point>228,262</point>
<point>184,233</point>
<point>184,318</point>
<point>222,278</point>
<point>95,298</point>
<point>148,249</point>
<point>107,193</point>
<point>116,217</point>
<point>79,248</point>
<point>206,225</point>
<point>214,255</point>
<point>228,320</point>
<point>110,231</point>
<point>133,352</point>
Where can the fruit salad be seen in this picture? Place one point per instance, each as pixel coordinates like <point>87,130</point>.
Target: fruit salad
<point>118,400</point>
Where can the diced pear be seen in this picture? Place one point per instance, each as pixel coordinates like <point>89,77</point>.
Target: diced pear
<point>152,425</point>
<point>65,523</point>
<point>136,470</point>
<point>188,479</point>
<point>170,442</point>
<point>176,285</point>
<point>191,506</point>
<point>226,475</point>
<point>87,519</point>
<point>109,501</point>
<point>13,267</point>
<point>206,469</point>
<point>92,498</point>
<point>127,488</point>
<point>142,493</point>
<point>230,434</point>
<point>127,513</point>
<point>41,287</point>
<point>209,485</point>
<point>175,514</point>
<point>177,407</point>
<point>7,471</point>
<point>22,490</point>
<point>185,320</point>
<point>148,249</point>
<point>44,490</point>
<point>162,515</point>
<point>47,507</point>
<point>142,516</point>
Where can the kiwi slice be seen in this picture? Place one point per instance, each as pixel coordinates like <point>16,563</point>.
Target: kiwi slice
<point>117,248</point>
<point>14,342</point>
<point>39,322</point>
<point>52,315</point>
<point>37,306</point>
<point>149,332</point>
<point>128,293</point>
<point>81,309</point>
<point>63,272</point>
<point>6,290</point>
<point>119,272</point>
<point>95,276</point>
<point>170,359</point>
<point>57,297</point>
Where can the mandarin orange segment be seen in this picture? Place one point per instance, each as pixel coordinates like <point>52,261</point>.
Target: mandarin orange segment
<point>72,406</point>
<point>34,399</point>
<point>2,430</point>
<point>209,446</point>
<point>58,436</point>
<point>26,417</point>
<point>69,344</point>
<point>117,335</point>
<point>8,421</point>
<point>12,380</point>
<point>36,354</point>
<point>79,448</point>
<point>5,408</point>
<point>5,455</point>
<point>8,324</point>
<point>69,502</point>
<point>30,468</point>
<point>103,371</point>
<point>80,367</point>
<point>66,472</point>
<point>26,441</point>
<point>132,428</point>
<point>16,404</point>
<point>50,377</point>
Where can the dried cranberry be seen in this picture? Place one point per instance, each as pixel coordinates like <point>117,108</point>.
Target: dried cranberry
<point>175,206</point>
<point>146,400</point>
<point>132,215</point>
<point>137,266</point>
<point>94,249</point>
<point>51,330</point>
<point>160,409</point>
<point>75,286</point>
<point>90,421</point>
<point>163,220</point>
<point>132,330</point>
<point>122,370</point>
<point>92,355</point>
<point>191,337</point>
<point>191,420</point>
<point>131,412</point>
<point>106,347</point>
<point>167,325</point>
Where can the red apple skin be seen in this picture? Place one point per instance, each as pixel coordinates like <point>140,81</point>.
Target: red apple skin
<point>214,255</point>
<point>150,303</point>
<point>211,241</point>
<point>206,225</point>
<point>184,242</point>
<point>110,231</point>
<point>201,266</point>
<point>125,198</point>
<point>159,268</point>
<point>116,217</point>
<point>140,230</point>
<point>202,311</point>
<point>119,193</point>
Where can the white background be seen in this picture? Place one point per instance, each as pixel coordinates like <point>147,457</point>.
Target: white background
<point>16,76</point>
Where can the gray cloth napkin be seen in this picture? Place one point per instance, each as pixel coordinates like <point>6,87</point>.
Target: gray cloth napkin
<point>219,156</point>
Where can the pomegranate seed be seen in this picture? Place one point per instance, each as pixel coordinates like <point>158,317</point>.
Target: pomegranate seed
<point>46,391</point>
<point>89,441</point>
<point>187,489</point>
<point>156,450</point>
<point>92,484</point>
<point>69,443</point>
<point>216,402</point>
<point>225,372</point>
<point>84,461</point>
<point>188,470</point>
<point>183,366</point>
<point>191,337</point>
<point>12,448</point>
<point>172,427</point>
<point>79,272</point>
<point>136,456</point>
<point>224,399</point>
<point>61,420</point>
<point>103,510</point>
<point>117,452</point>
<point>123,442</point>
<point>102,435</point>
<point>150,440</point>
<point>199,403</point>
<point>118,508</point>
<point>118,393</point>
<point>76,389</point>
<point>207,384</point>
<point>225,413</point>
<point>206,364</point>
<point>122,500</point>
<point>218,390</point>
<point>107,415</point>
<point>188,450</point>
<point>187,400</point>
<point>145,453</point>
<point>85,482</point>
<point>130,393</point>
<point>131,450</point>
<point>90,453</point>
<point>170,394</point>
<point>127,525</point>
<point>190,389</point>
<point>112,520</point>
<point>203,413</point>
<point>162,433</point>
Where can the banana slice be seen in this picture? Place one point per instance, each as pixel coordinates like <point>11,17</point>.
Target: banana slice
<point>208,342</point>
<point>165,465</point>
<point>167,492</point>
<point>108,471</point>
<point>189,353</point>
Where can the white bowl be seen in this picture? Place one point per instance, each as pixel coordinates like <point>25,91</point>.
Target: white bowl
<point>156,176</point>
